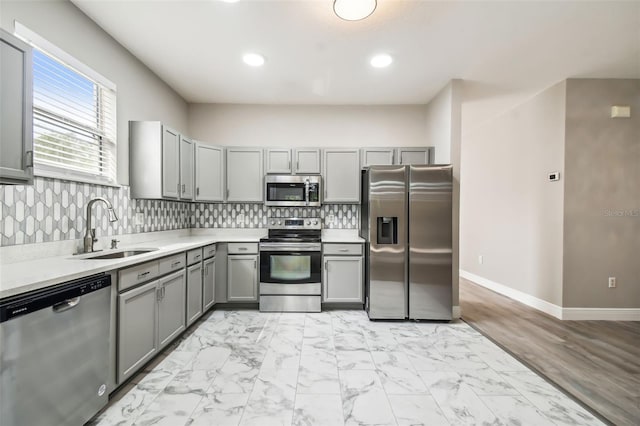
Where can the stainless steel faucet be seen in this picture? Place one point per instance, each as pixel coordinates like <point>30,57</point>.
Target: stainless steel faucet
<point>90,234</point>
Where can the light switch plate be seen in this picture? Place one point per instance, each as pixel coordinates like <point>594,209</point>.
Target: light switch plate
<point>138,219</point>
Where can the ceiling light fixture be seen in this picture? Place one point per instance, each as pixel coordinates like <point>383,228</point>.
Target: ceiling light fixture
<point>253,59</point>
<point>354,10</point>
<point>381,61</point>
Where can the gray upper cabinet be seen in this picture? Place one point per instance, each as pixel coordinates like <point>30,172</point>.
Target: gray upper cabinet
<point>155,162</point>
<point>341,176</point>
<point>209,173</point>
<point>16,110</point>
<point>306,161</point>
<point>244,174</point>
<point>186,168</point>
<point>377,156</point>
<point>278,161</point>
<point>413,155</point>
<point>170,163</point>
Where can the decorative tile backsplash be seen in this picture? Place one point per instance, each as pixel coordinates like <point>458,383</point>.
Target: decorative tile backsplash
<point>247,215</point>
<point>55,210</point>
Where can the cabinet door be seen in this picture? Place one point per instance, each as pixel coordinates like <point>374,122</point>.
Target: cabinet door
<point>278,160</point>
<point>342,279</point>
<point>194,293</point>
<point>170,163</point>
<point>171,308</point>
<point>137,337</point>
<point>307,162</point>
<point>377,156</point>
<point>186,168</point>
<point>209,284</point>
<point>244,174</point>
<point>407,156</point>
<point>16,110</point>
<point>209,173</point>
<point>242,275</point>
<point>341,176</point>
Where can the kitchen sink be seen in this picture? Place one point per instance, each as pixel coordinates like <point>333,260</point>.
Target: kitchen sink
<point>120,254</point>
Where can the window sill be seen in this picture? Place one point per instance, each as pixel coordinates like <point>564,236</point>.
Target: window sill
<point>72,178</point>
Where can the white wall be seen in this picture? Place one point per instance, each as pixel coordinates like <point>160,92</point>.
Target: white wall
<point>438,124</point>
<point>510,213</point>
<point>141,94</point>
<point>321,126</point>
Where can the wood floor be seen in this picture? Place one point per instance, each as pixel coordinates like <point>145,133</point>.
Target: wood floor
<point>596,362</point>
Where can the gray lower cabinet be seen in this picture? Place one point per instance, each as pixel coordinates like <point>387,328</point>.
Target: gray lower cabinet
<point>171,307</point>
<point>208,283</point>
<point>194,293</point>
<point>149,318</point>
<point>16,110</point>
<point>342,279</point>
<point>242,278</point>
<point>137,321</point>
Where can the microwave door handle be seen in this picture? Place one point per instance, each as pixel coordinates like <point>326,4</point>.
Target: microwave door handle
<point>306,191</point>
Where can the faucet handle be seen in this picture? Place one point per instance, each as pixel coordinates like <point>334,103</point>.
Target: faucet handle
<point>114,243</point>
<point>93,234</point>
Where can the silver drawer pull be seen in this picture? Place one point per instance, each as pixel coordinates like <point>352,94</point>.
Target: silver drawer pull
<point>343,250</point>
<point>196,257</point>
<point>174,264</point>
<point>144,274</point>
<point>242,248</point>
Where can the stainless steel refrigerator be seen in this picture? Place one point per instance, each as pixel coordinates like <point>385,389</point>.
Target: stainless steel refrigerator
<point>406,221</point>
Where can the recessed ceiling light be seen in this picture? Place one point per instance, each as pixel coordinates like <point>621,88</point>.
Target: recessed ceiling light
<point>253,59</point>
<point>381,61</point>
<point>354,10</point>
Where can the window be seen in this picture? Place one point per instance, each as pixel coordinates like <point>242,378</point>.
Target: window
<point>74,121</point>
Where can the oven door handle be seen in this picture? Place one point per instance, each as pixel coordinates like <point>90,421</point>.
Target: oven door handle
<point>298,247</point>
<point>306,192</point>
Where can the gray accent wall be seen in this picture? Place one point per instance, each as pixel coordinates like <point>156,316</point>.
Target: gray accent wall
<point>602,195</point>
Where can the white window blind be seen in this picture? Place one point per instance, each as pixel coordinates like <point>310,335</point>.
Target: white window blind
<point>74,117</point>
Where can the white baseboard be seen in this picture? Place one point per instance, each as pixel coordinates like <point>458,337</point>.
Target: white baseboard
<point>456,313</point>
<point>582,314</point>
<point>601,314</point>
<point>527,299</point>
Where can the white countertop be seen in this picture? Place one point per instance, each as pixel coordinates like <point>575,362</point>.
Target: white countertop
<point>34,266</point>
<point>37,273</point>
<point>341,236</point>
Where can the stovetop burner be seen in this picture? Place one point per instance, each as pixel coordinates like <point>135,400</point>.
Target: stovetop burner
<point>293,229</point>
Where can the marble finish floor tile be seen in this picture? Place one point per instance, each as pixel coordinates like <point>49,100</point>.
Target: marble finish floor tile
<point>335,368</point>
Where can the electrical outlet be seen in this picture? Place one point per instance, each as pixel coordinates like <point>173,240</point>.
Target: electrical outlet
<point>612,282</point>
<point>138,219</point>
<point>480,259</point>
<point>330,219</point>
<point>240,218</point>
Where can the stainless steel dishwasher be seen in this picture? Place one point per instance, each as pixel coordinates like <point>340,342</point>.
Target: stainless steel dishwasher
<point>54,360</point>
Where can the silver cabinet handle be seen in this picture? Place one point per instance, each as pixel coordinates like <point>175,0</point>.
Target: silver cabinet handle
<point>159,294</point>
<point>255,264</point>
<point>289,165</point>
<point>144,274</point>
<point>183,188</point>
<point>297,165</point>
<point>163,291</point>
<point>178,189</point>
<point>198,190</point>
<point>227,193</point>
<point>326,265</point>
<point>66,305</point>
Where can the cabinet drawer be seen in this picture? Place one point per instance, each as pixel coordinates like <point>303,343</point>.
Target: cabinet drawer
<point>194,256</point>
<point>138,274</point>
<point>243,248</point>
<point>342,249</point>
<point>172,263</point>
<point>209,251</point>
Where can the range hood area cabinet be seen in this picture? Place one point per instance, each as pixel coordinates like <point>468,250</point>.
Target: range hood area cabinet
<point>16,111</point>
<point>302,161</point>
<point>161,162</point>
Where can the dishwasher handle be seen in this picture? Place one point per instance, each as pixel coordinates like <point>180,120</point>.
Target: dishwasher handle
<point>66,305</point>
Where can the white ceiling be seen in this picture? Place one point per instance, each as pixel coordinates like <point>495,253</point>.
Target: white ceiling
<point>313,57</point>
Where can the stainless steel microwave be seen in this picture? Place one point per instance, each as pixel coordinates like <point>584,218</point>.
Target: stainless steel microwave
<point>292,190</point>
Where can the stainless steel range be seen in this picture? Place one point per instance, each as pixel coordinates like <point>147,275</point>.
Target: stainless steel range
<point>291,266</point>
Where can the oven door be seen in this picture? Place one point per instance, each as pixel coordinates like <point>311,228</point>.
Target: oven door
<point>290,267</point>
